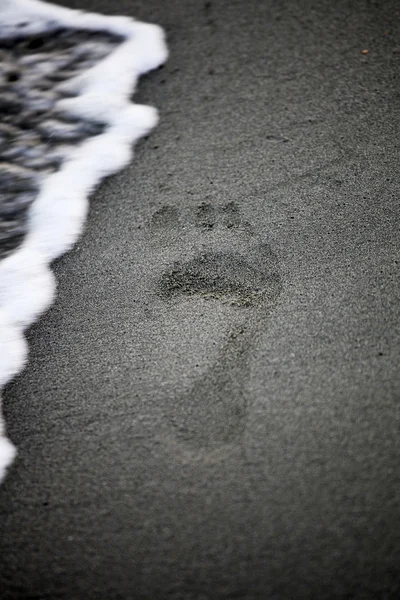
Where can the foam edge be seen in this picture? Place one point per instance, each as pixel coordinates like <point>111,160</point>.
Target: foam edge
<point>57,217</point>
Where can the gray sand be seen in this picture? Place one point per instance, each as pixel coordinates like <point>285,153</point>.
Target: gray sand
<point>211,409</point>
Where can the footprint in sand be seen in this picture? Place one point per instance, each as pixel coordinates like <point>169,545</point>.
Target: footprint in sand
<point>218,282</point>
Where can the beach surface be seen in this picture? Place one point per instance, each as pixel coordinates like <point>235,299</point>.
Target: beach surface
<point>211,406</point>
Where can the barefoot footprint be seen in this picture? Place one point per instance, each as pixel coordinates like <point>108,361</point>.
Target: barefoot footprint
<point>222,292</point>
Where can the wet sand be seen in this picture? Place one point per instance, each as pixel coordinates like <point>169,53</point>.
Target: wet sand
<point>211,409</point>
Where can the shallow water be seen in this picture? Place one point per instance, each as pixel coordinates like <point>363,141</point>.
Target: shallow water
<point>35,136</point>
<point>66,122</point>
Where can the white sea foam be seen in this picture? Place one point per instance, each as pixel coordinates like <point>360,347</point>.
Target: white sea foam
<point>56,218</point>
